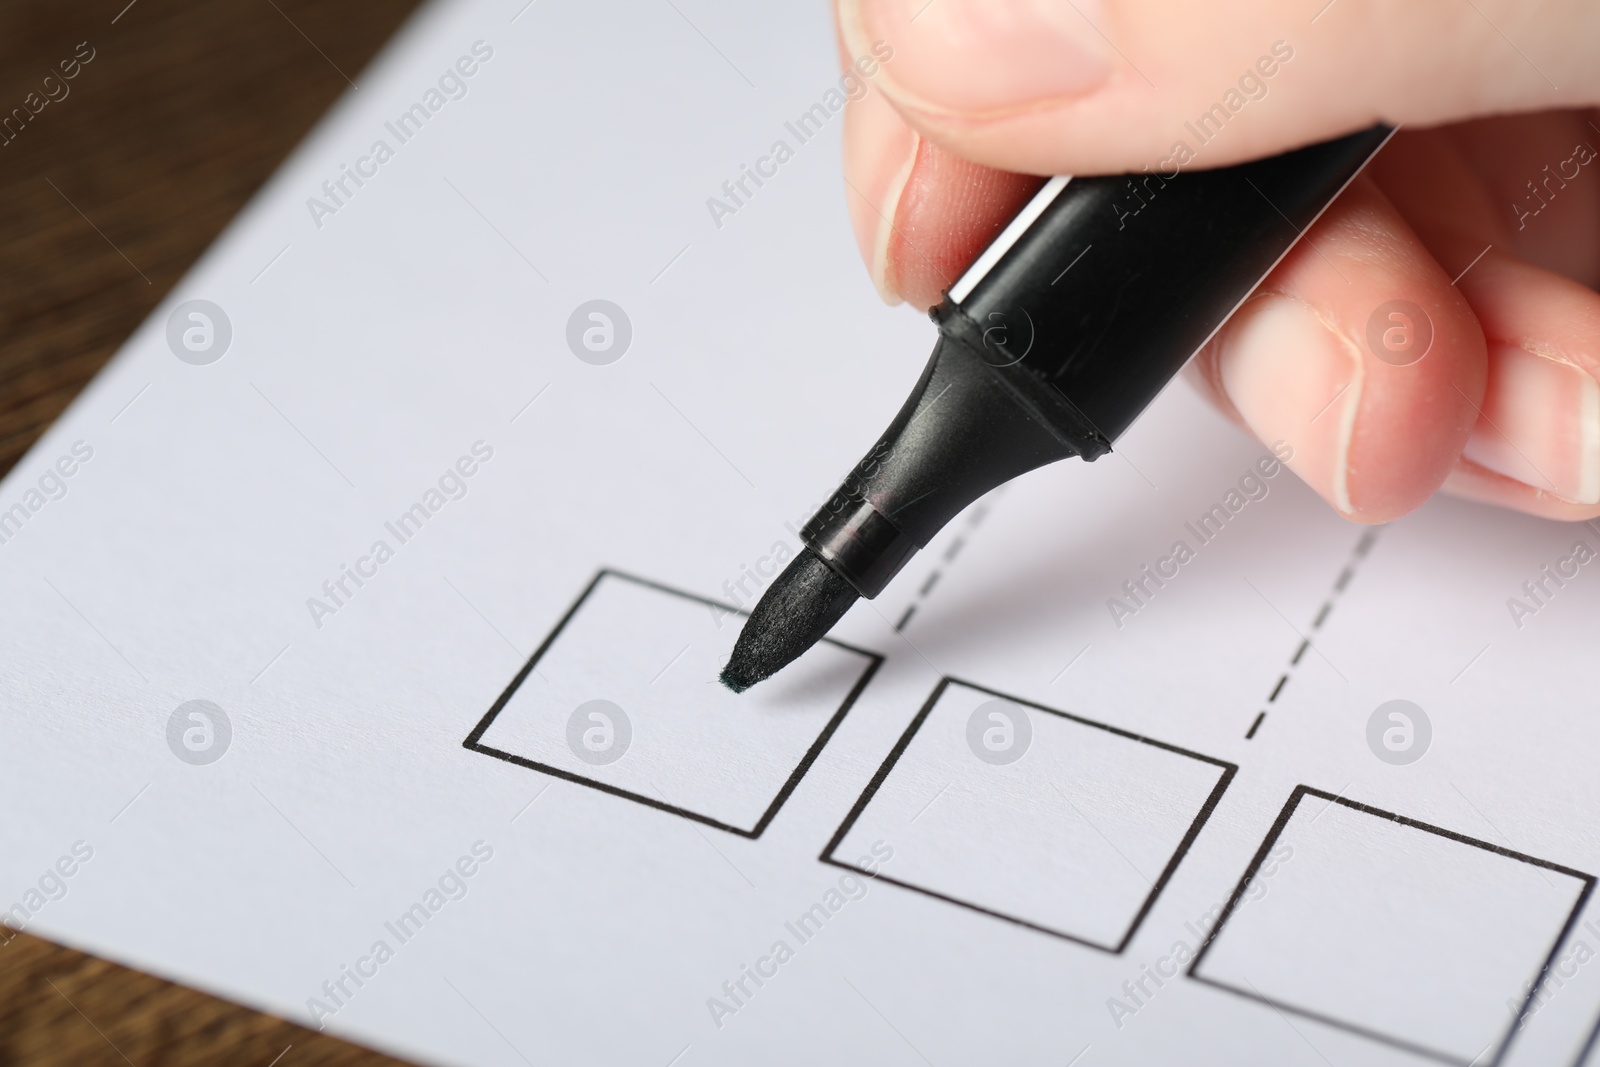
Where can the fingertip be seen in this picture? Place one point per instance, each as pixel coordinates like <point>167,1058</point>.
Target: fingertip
<point>1105,86</point>
<point>1361,358</point>
<point>1536,444</point>
<point>949,210</point>
<point>1290,380</point>
<point>978,57</point>
<point>1469,481</point>
<point>879,152</point>
<point>920,214</point>
<point>1414,418</point>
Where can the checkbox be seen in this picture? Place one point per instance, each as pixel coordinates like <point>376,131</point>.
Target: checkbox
<point>1032,815</point>
<point>1405,933</point>
<point>623,697</point>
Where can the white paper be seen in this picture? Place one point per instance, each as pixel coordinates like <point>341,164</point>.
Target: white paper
<point>797,875</point>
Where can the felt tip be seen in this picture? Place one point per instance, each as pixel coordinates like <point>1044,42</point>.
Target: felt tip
<point>797,610</point>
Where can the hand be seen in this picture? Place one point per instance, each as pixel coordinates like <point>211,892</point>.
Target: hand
<point>1490,225</point>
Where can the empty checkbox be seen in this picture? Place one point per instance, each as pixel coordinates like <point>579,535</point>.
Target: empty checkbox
<point>1402,932</point>
<point>1033,815</point>
<point>623,697</point>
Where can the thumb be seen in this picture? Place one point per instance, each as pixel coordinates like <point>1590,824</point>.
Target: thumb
<point>1101,86</point>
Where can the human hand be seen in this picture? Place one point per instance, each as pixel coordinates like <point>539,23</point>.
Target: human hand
<point>1490,225</point>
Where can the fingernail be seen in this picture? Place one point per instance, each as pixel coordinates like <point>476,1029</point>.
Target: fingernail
<point>1540,424</point>
<point>977,56</point>
<point>879,152</point>
<point>1294,380</point>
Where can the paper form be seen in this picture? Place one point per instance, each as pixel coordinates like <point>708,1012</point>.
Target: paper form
<point>363,618</point>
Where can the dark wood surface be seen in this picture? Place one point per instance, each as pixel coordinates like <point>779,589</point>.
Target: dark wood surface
<point>107,195</point>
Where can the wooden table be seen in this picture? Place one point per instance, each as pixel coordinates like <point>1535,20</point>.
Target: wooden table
<point>107,195</point>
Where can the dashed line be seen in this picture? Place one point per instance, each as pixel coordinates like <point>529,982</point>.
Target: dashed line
<point>979,512</point>
<point>1362,547</point>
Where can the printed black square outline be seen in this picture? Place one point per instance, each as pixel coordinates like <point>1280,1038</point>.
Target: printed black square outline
<point>1299,793</point>
<point>882,775</point>
<point>474,741</point>
<point>1582,1059</point>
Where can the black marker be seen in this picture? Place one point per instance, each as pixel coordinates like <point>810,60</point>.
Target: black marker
<point>1050,345</point>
